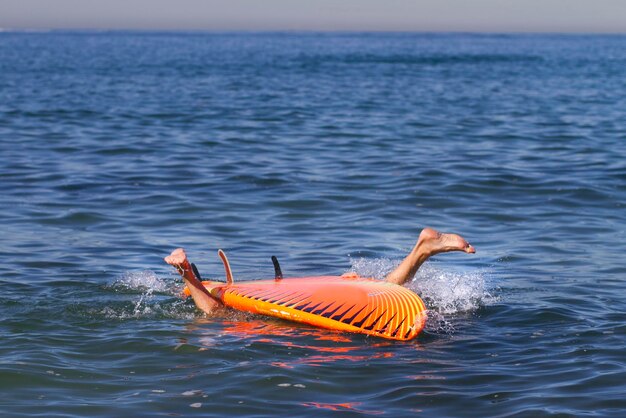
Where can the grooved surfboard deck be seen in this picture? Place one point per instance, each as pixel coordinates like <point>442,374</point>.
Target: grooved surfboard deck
<point>343,303</point>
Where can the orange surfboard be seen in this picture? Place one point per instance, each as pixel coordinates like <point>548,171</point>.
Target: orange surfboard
<point>344,303</point>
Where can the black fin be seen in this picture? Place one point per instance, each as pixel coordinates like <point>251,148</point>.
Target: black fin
<point>278,274</point>
<point>195,271</point>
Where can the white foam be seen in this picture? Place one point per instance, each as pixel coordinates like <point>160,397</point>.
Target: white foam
<point>450,292</point>
<point>376,268</point>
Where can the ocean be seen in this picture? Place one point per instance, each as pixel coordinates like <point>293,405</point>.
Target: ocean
<point>331,151</point>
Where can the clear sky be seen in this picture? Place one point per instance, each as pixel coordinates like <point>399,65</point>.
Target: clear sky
<point>603,16</point>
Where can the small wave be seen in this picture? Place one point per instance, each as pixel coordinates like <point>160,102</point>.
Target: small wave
<point>144,309</point>
<point>446,293</point>
<point>412,59</point>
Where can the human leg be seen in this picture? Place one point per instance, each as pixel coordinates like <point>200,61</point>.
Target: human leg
<point>200,295</point>
<point>429,243</point>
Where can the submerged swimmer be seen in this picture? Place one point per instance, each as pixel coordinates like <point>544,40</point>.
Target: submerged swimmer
<point>345,303</point>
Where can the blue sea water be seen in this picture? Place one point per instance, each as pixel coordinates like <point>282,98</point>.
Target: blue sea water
<point>331,151</point>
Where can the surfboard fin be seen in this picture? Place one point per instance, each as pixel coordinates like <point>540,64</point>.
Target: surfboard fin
<point>229,273</point>
<point>195,271</point>
<point>278,274</point>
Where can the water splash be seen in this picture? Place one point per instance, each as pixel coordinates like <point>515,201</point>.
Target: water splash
<point>376,268</point>
<point>145,281</point>
<point>447,294</point>
<point>450,292</point>
<point>150,297</point>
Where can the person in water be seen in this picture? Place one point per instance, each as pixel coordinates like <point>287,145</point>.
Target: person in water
<point>429,243</point>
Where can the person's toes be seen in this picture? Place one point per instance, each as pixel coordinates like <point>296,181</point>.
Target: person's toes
<point>177,257</point>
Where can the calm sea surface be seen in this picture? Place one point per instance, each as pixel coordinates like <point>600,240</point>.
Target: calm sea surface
<point>330,151</point>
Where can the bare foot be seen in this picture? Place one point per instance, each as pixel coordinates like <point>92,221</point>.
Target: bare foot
<point>176,258</point>
<point>429,243</point>
<point>434,242</point>
<point>200,295</point>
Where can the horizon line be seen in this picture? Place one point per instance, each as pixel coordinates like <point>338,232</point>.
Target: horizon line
<point>310,31</point>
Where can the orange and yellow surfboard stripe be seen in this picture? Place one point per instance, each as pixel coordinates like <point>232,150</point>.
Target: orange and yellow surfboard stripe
<point>343,303</point>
